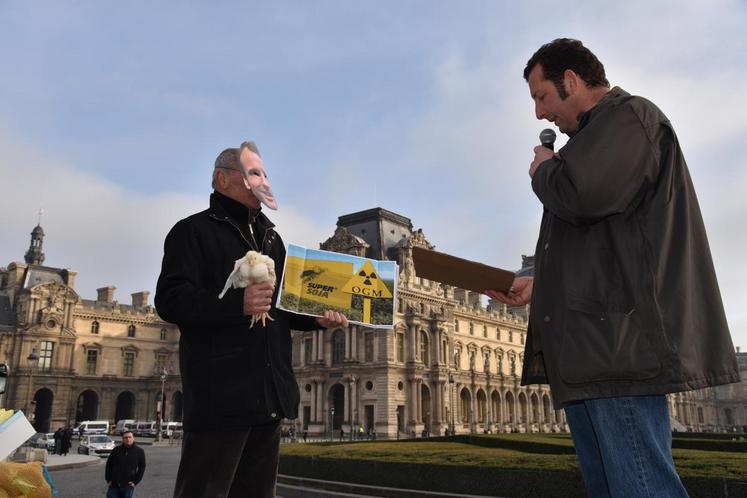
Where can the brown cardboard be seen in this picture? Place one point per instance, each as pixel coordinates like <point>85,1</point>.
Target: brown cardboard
<point>459,272</point>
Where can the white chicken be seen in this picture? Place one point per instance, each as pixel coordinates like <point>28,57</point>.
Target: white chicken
<point>253,268</point>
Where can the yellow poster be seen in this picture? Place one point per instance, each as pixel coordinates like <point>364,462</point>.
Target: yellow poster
<point>315,281</point>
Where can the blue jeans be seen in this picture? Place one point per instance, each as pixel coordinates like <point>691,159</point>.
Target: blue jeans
<point>624,446</point>
<point>120,492</point>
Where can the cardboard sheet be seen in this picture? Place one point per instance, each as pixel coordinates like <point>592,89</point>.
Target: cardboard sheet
<point>459,272</point>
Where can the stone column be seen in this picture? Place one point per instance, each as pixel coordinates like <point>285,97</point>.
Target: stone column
<point>355,331</point>
<point>437,402</point>
<point>314,354</point>
<point>313,404</point>
<point>413,401</point>
<point>320,404</point>
<point>412,355</point>
<point>346,402</point>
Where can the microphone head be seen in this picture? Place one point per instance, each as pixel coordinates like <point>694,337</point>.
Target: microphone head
<point>547,138</point>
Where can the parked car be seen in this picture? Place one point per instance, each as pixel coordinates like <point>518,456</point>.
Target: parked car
<point>46,440</point>
<point>171,429</point>
<point>124,425</point>
<point>96,444</point>
<point>146,428</point>
<point>92,427</point>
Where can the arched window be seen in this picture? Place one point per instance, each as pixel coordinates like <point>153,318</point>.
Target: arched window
<point>338,347</point>
<point>95,327</point>
<point>131,331</point>
<point>424,356</point>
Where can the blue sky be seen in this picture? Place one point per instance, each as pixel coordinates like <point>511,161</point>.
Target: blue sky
<point>111,114</point>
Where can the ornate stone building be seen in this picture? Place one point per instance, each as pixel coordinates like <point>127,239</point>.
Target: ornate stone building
<point>450,362</point>
<point>94,359</point>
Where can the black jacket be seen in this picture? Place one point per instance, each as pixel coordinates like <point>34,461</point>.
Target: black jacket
<point>232,376</point>
<point>625,298</point>
<point>125,465</point>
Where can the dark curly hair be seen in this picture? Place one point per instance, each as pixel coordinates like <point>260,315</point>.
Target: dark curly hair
<point>566,53</point>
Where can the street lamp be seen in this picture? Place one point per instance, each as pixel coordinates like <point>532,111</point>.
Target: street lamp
<point>33,362</point>
<point>159,405</point>
<point>332,422</point>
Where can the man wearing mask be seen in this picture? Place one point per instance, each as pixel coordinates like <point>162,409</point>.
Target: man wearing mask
<point>238,381</point>
<point>625,306</point>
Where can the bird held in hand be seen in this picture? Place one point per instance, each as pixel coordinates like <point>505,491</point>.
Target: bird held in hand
<point>252,268</point>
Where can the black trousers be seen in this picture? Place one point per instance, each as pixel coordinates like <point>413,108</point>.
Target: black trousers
<point>229,463</point>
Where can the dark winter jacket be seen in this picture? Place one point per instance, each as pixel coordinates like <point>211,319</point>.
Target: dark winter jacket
<point>232,376</point>
<point>625,298</point>
<point>125,465</point>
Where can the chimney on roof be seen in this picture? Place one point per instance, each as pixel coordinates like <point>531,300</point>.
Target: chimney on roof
<point>140,299</point>
<point>106,294</point>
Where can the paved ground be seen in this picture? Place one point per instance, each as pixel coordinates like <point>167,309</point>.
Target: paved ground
<point>88,482</point>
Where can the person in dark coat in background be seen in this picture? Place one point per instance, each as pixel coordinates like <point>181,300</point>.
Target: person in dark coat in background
<point>66,441</point>
<point>238,381</point>
<point>125,468</point>
<point>57,441</point>
<point>625,306</point>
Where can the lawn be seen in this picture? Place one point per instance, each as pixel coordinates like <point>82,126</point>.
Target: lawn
<point>694,457</point>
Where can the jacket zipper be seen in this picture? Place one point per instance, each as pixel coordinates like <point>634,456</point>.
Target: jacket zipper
<point>252,246</point>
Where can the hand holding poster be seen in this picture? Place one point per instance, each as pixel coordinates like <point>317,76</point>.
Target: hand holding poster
<point>363,289</point>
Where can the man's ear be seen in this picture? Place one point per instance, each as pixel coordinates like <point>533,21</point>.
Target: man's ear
<point>571,81</point>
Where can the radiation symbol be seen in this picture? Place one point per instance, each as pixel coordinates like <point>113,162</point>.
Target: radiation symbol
<point>367,278</point>
<point>367,283</point>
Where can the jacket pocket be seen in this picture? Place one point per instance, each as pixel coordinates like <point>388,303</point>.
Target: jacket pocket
<point>604,342</point>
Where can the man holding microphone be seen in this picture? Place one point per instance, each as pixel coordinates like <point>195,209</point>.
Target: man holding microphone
<point>625,305</point>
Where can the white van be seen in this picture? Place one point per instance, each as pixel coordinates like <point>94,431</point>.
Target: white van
<point>146,428</point>
<point>123,426</point>
<point>171,429</point>
<point>92,427</point>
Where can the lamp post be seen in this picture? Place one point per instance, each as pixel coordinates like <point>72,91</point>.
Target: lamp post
<point>159,406</point>
<point>332,422</point>
<point>33,362</point>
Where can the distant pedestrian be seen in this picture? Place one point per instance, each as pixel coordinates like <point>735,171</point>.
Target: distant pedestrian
<point>124,468</point>
<point>342,433</point>
<point>66,441</point>
<point>57,441</point>
<point>305,434</point>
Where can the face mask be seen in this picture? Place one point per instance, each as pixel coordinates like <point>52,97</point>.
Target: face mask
<point>255,178</point>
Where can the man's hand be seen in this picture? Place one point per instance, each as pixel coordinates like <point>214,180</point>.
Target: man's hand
<point>257,298</point>
<point>541,154</point>
<point>131,484</point>
<point>332,319</point>
<point>519,294</point>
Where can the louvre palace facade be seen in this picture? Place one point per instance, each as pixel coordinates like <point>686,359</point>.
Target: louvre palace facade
<point>451,363</point>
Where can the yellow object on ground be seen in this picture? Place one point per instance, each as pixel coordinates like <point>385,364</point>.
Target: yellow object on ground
<point>24,480</point>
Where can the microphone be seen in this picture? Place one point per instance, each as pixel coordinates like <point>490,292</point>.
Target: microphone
<point>547,138</point>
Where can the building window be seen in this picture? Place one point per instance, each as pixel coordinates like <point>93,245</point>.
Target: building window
<point>92,357</point>
<point>368,340</point>
<point>498,334</point>
<point>424,356</point>
<point>443,352</point>
<point>700,414</point>
<point>131,331</point>
<point>95,327</point>
<point>512,364</point>
<point>129,363</point>
<point>471,360</point>
<point>401,348</point>
<point>45,355</point>
<point>521,338</point>
<point>471,328</point>
<point>456,325</point>
<point>160,362</point>
<point>164,334</point>
<point>510,336</point>
<point>308,348</point>
<point>457,360</point>
<point>422,309</point>
<point>484,330</point>
<point>338,347</point>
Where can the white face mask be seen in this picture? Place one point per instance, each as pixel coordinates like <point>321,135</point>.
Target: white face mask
<point>255,178</point>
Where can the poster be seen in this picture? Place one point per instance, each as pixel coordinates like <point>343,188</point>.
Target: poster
<point>361,288</point>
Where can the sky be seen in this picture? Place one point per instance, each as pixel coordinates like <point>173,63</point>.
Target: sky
<point>112,114</point>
